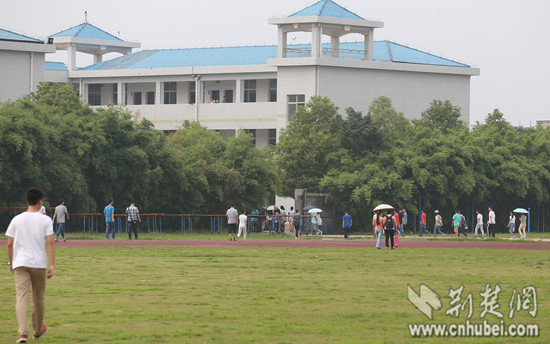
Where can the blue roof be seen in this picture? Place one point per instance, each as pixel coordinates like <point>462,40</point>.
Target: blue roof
<point>326,8</point>
<point>394,52</point>
<point>48,65</point>
<point>385,51</point>
<point>87,30</point>
<point>200,57</point>
<point>6,35</point>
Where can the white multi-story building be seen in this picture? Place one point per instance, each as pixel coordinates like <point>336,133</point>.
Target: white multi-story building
<point>258,88</point>
<point>21,64</point>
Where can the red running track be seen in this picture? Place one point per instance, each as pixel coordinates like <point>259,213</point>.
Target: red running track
<point>404,244</point>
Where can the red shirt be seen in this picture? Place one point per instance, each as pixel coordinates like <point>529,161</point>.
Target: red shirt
<point>396,219</point>
<point>423,219</point>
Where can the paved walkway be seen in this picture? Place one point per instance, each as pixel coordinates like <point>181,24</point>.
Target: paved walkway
<point>404,243</point>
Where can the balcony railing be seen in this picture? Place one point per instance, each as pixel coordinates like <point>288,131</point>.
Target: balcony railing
<point>327,53</point>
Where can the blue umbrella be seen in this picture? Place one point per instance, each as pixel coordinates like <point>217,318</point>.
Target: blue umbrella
<point>521,211</point>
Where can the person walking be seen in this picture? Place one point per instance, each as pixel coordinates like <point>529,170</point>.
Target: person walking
<point>347,222</point>
<point>401,227</point>
<point>389,230</point>
<point>512,224</point>
<point>491,223</point>
<point>438,224</point>
<point>396,222</point>
<point>232,214</point>
<point>109,212</point>
<point>479,223</point>
<point>405,221</point>
<point>29,234</point>
<point>61,214</point>
<point>243,219</point>
<point>132,214</point>
<point>318,223</point>
<point>522,225</point>
<point>377,228</point>
<point>423,224</point>
<point>463,227</point>
<point>296,221</point>
<point>456,222</point>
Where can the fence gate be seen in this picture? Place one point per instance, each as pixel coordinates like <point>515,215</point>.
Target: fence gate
<point>303,198</point>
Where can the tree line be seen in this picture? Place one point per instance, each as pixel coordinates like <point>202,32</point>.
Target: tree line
<point>362,160</point>
<point>85,156</point>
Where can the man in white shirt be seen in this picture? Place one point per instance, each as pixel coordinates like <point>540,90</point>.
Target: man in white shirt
<point>28,235</point>
<point>242,225</point>
<point>232,214</point>
<point>479,223</point>
<point>492,222</point>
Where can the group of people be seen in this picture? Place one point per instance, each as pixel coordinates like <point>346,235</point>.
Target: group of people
<point>132,218</point>
<point>292,219</point>
<point>232,218</point>
<point>392,223</point>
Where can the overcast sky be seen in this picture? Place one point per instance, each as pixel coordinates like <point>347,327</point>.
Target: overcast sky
<point>508,40</point>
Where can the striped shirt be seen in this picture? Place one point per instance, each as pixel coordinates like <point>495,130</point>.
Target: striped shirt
<point>132,212</point>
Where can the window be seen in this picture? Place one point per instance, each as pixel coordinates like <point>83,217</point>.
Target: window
<point>150,98</point>
<point>192,95</point>
<point>170,92</point>
<point>214,96</point>
<point>293,102</point>
<point>253,133</point>
<point>137,98</point>
<point>272,90</point>
<point>250,91</point>
<point>272,137</point>
<point>115,93</point>
<point>228,94</point>
<point>94,94</point>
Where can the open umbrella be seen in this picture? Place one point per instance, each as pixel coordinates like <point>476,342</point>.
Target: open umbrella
<point>383,207</point>
<point>521,211</point>
<point>315,211</point>
<point>272,208</point>
<point>308,207</point>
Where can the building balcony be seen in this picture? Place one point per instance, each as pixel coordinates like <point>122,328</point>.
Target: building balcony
<point>327,53</point>
<point>260,115</point>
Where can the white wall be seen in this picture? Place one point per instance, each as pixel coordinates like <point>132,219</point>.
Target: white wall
<point>293,80</point>
<point>410,92</point>
<point>56,76</point>
<point>15,73</point>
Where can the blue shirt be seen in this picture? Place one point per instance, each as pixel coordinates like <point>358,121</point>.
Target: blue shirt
<point>456,219</point>
<point>347,221</point>
<point>109,210</point>
<point>405,218</point>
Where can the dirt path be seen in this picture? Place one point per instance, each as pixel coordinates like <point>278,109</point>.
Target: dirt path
<point>404,244</point>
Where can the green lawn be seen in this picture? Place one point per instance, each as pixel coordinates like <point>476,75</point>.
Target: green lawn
<point>270,295</point>
<point>206,235</point>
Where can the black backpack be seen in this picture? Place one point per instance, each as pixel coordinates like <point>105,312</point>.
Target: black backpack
<point>389,222</point>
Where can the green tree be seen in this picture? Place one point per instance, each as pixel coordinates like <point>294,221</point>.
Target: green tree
<point>392,123</point>
<point>442,115</point>
<point>360,134</point>
<point>309,146</point>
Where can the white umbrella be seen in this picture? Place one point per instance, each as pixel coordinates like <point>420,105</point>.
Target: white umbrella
<point>315,210</point>
<point>521,211</point>
<point>383,207</point>
<point>272,208</point>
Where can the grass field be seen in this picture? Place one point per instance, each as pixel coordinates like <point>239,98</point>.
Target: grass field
<point>270,295</point>
<point>206,235</point>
